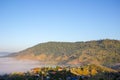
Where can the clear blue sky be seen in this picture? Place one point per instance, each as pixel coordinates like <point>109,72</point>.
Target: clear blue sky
<point>24,23</point>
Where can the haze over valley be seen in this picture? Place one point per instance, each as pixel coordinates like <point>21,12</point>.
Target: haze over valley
<point>99,52</point>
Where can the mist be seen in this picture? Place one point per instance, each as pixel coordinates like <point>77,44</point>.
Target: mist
<point>10,65</point>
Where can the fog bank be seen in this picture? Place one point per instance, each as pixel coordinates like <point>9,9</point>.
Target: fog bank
<point>9,65</point>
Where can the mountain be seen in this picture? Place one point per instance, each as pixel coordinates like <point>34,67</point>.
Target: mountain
<point>100,52</point>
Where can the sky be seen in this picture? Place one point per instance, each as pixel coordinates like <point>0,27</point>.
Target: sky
<point>25,23</point>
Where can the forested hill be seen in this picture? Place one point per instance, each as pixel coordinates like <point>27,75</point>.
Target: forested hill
<point>105,52</point>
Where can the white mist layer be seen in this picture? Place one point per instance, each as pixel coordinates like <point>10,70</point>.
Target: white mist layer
<point>10,65</point>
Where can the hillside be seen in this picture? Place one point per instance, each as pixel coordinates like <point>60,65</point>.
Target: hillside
<point>105,52</point>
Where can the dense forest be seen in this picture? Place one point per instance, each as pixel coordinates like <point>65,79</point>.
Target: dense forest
<point>101,52</point>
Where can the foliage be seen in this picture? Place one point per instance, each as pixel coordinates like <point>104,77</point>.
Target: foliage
<point>105,52</point>
<point>87,72</point>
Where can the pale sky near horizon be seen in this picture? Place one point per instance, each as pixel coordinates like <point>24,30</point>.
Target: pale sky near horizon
<point>25,23</point>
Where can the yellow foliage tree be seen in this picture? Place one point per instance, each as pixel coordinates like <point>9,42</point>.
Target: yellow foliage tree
<point>86,72</point>
<point>94,72</point>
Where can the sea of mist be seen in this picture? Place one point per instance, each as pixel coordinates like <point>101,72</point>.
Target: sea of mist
<point>10,65</point>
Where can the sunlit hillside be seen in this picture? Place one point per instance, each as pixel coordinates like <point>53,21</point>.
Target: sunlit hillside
<point>100,52</point>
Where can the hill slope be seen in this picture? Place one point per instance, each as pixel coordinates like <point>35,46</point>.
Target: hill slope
<point>105,52</point>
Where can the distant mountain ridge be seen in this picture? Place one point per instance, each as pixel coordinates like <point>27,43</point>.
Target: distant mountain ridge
<point>101,52</point>
<point>4,53</point>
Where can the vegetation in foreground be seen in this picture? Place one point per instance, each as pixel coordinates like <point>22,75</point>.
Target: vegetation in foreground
<point>88,72</point>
